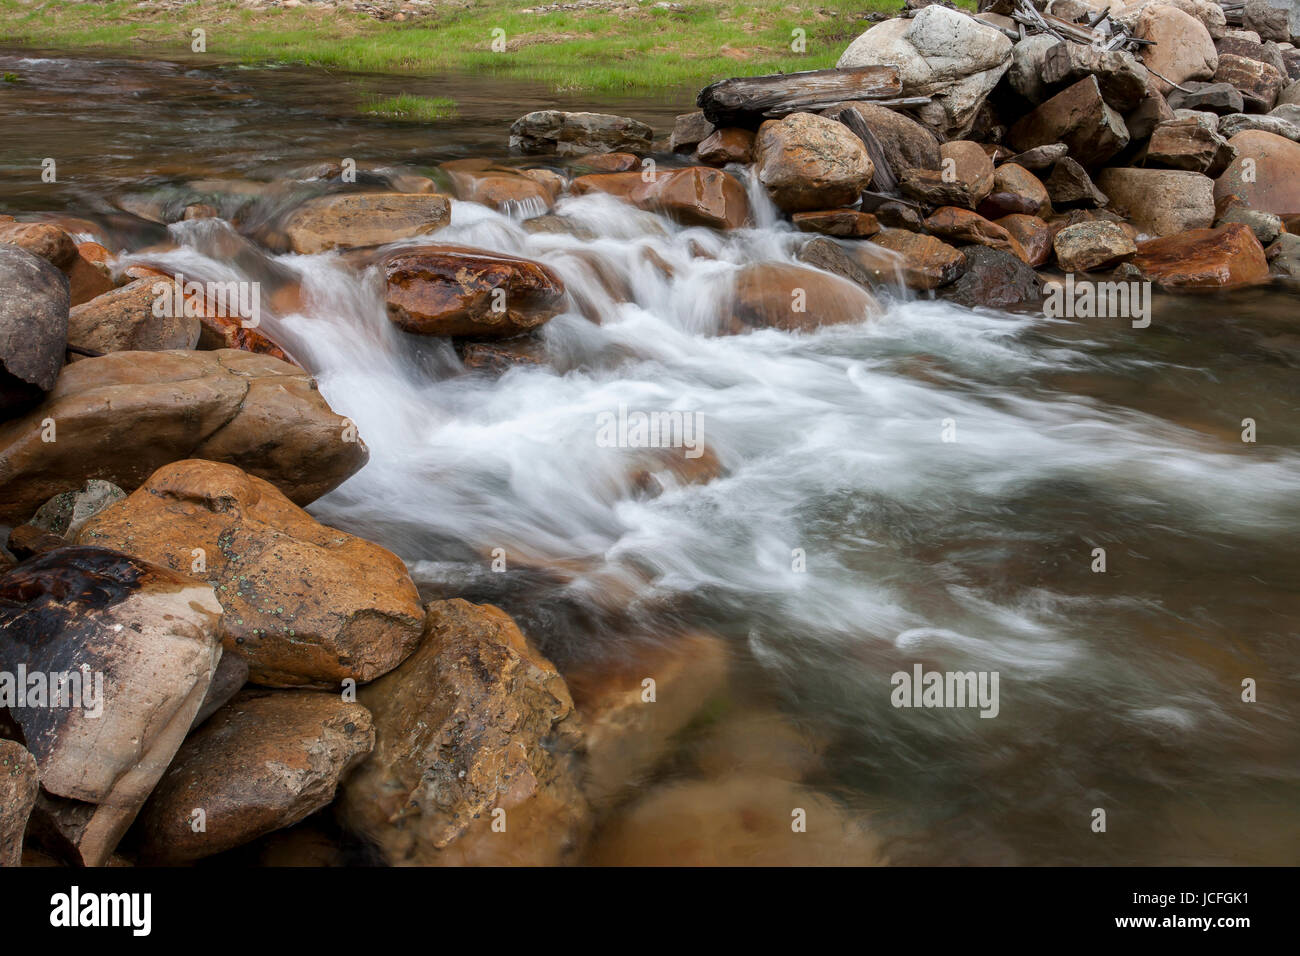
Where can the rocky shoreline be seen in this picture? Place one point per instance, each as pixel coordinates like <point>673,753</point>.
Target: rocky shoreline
<point>280,689</point>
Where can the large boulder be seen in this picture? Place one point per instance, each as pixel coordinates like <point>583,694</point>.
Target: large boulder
<point>1189,145</point>
<point>1277,20</point>
<point>351,220</point>
<point>1259,83</point>
<point>794,298</point>
<point>903,142</point>
<point>138,317</point>
<point>33,326</point>
<point>1026,72</point>
<point>121,417</point>
<point>939,53</point>
<point>573,134</point>
<point>1120,77</point>
<point>138,646</point>
<point>456,290</point>
<point>1181,46</point>
<point>810,162</point>
<point>1079,117</point>
<point>1160,201</point>
<point>263,762</point>
<point>304,604</point>
<point>19,782</point>
<point>1266,172</point>
<point>475,758</point>
<point>1199,259</point>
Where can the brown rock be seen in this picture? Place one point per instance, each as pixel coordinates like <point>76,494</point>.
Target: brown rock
<point>1266,172</point>
<point>848,223</point>
<point>793,298</point>
<point>1188,144</point>
<point>141,642</point>
<point>729,145</point>
<point>350,220</point>
<point>994,278</point>
<point>500,187</point>
<point>1033,234</point>
<point>1258,82</point>
<point>809,162</point>
<point>573,134</point>
<point>33,329</point>
<point>1121,78</point>
<point>695,196</point>
<point>88,273</point>
<point>1071,187</point>
<point>689,130</point>
<point>608,162</point>
<point>1040,157</point>
<point>18,786</point>
<point>1088,246</point>
<point>830,255</point>
<point>125,320</point>
<point>120,417</point>
<point>1153,110</point>
<point>1160,201</point>
<point>41,239</point>
<point>1078,117</point>
<point>475,750</point>
<point>455,290</point>
<point>963,226</point>
<point>263,762</point>
<point>500,356</point>
<point>927,262</point>
<point>302,603</point>
<point>904,143</point>
<point>1203,259</point>
<point>1015,179</point>
<point>1181,47</point>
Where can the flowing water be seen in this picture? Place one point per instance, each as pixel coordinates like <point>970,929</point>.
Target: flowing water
<point>844,536</point>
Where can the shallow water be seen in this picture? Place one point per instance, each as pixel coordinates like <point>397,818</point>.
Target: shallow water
<point>1118,690</point>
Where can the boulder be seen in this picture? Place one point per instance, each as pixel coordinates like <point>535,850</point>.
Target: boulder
<point>1015,179</point>
<point>694,196</point>
<point>1078,117</point>
<point>1278,125</point>
<point>1181,47</point>
<point>500,187</point>
<point>1220,258</point>
<point>963,227</point>
<point>1089,246</point>
<point>304,604</point>
<point>1265,225</point>
<point>1266,172</point>
<point>1160,201</point>
<point>42,239</point>
<point>138,317</point>
<point>1188,144</point>
<point>926,262</point>
<point>1033,234</point>
<point>350,220</point>
<point>1258,83</point>
<point>964,177</point>
<point>1070,187</point>
<point>456,290</point>
<point>19,782</point>
<point>794,299</point>
<point>810,162</point>
<point>1026,71</point>
<point>1277,20</point>
<point>994,279</point>
<point>33,327</point>
<point>1269,53</point>
<point>939,53</point>
<point>140,645</point>
<point>89,274</point>
<point>903,142</point>
<point>263,762</point>
<point>689,130</point>
<point>1220,98</point>
<point>1120,77</point>
<point>848,223</point>
<point>723,146</point>
<point>572,134</point>
<point>120,417</point>
<point>475,758</point>
<point>65,514</point>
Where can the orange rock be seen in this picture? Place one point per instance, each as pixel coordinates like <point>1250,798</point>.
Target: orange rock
<point>608,162</point>
<point>927,262</point>
<point>728,145</point>
<point>964,226</point>
<point>501,187</point>
<point>846,223</point>
<point>1033,234</point>
<point>88,272</point>
<point>694,196</point>
<point>795,298</point>
<point>1266,172</point>
<point>1204,259</point>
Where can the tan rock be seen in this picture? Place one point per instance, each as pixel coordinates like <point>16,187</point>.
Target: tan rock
<point>18,785</point>
<point>349,220</point>
<point>1160,202</point>
<point>501,187</point>
<point>1087,246</point>
<point>1033,234</point>
<point>810,162</point>
<point>1077,116</point>
<point>1266,172</point>
<point>728,145</point>
<point>1259,83</point>
<point>963,226</point>
<point>795,298</point>
<point>1015,179</point>
<point>1181,47</point>
<point>926,262</point>
<point>125,320</point>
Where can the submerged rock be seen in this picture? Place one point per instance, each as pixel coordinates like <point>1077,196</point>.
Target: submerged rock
<point>794,298</point>
<point>350,220</point>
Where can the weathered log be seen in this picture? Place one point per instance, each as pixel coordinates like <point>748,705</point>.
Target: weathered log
<point>884,179</point>
<point>745,100</point>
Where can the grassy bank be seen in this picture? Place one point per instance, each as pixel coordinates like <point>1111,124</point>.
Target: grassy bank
<point>603,47</point>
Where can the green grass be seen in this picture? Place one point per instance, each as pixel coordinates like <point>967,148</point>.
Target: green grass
<point>407,107</point>
<point>587,49</point>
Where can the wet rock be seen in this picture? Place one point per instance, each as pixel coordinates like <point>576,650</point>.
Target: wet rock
<point>689,130</point>
<point>793,298</point>
<point>88,273</point>
<point>904,143</point>
<point>831,256</point>
<point>1258,82</point>
<point>304,604</point>
<point>927,262</point>
<point>694,196</point>
<point>1266,172</point>
<point>1203,259</point>
<point>120,417</point>
<point>263,762</point>
<point>809,162</point>
<point>1089,246</point>
<point>1188,144</point>
<point>1121,78</point>
<point>572,134</point>
<point>1219,98</point>
<point>501,356</point>
<point>999,204</point>
<point>456,290</point>
<point>1033,234</point>
<point>1284,255</point>
<point>41,239</point>
<point>65,514</point>
<point>629,727</point>
<point>1160,201</point>
<point>939,53</point>
<point>500,187</point>
<point>962,226</point>
<point>608,162</point>
<point>995,279</point>
<point>730,145</point>
<point>1181,47</point>
<point>150,636</point>
<point>1078,117</point>
<point>18,786</point>
<point>1015,179</point>
<point>475,756</point>
<point>125,320</point>
<point>1070,187</point>
<point>848,223</point>
<point>557,226</point>
<point>351,220</point>
<point>33,327</point>
<point>898,215</point>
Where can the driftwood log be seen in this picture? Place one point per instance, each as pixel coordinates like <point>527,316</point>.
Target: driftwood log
<point>748,100</point>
